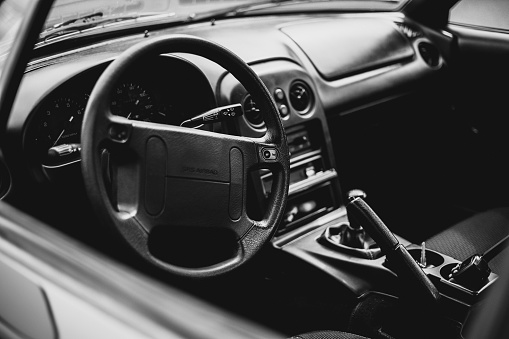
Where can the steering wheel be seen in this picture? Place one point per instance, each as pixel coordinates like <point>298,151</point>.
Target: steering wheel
<point>168,181</point>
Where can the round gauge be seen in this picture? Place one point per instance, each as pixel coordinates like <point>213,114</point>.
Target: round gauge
<point>134,102</point>
<point>59,123</point>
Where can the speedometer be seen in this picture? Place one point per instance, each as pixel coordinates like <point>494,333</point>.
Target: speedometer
<point>133,101</point>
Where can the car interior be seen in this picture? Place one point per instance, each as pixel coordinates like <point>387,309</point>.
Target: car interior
<point>323,169</point>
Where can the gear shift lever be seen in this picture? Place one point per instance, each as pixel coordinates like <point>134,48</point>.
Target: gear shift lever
<point>354,235</point>
<point>349,237</point>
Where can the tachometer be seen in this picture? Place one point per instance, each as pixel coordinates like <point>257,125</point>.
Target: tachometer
<point>59,123</point>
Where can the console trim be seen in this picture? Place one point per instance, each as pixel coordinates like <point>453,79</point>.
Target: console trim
<point>316,179</point>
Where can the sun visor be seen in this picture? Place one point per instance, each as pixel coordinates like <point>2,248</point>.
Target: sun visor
<point>344,46</point>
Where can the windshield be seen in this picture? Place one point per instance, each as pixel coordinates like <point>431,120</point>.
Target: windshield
<point>74,15</point>
<point>67,11</point>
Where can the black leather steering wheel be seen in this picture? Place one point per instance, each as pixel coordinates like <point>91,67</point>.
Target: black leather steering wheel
<point>167,177</point>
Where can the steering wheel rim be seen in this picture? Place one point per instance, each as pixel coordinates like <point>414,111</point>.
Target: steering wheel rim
<point>145,146</point>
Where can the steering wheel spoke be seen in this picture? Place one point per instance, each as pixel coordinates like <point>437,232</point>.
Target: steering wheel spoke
<point>117,129</point>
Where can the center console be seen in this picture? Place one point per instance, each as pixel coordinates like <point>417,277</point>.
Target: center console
<point>362,276</point>
<point>314,187</point>
<point>313,183</point>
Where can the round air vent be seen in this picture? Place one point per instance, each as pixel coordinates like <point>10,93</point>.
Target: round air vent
<point>301,97</point>
<point>252,113</point>
<point>429,53</point>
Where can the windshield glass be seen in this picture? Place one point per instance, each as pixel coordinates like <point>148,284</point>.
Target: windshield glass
<point>66,12</point>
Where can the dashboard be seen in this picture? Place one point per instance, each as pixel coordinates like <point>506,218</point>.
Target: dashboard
<point>370,59</point>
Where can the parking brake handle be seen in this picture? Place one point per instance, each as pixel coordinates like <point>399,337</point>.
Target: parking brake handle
<point>397,255</point>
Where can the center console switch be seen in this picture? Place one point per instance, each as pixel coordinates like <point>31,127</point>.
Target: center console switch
<point>314,185</point>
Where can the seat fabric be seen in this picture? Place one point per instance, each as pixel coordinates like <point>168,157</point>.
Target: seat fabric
<point>474,235</point>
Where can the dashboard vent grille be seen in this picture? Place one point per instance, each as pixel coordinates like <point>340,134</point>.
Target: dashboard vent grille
<point>301,97</point>
<point>252,113</point>
<point>429,54</point>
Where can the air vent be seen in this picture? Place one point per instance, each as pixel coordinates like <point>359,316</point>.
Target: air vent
<point>301,97</point>
<point>252,113</point>
<point>429,54</point>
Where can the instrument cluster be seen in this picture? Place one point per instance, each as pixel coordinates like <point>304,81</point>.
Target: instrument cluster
<point>170,91</point>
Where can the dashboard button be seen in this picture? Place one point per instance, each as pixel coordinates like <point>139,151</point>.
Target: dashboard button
<point>283,110</point>
<point>269,154</point>
<point>279,94</point>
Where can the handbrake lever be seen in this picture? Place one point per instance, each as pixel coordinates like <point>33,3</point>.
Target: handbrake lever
<point>403,263</point>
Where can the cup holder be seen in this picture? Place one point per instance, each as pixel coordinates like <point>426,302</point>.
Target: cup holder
<point>439,267</point>
<point>445,271</point>
<point>433,259</point>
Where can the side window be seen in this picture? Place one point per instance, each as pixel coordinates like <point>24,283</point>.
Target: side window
<point>11,13</point>
<point>486,13</point>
